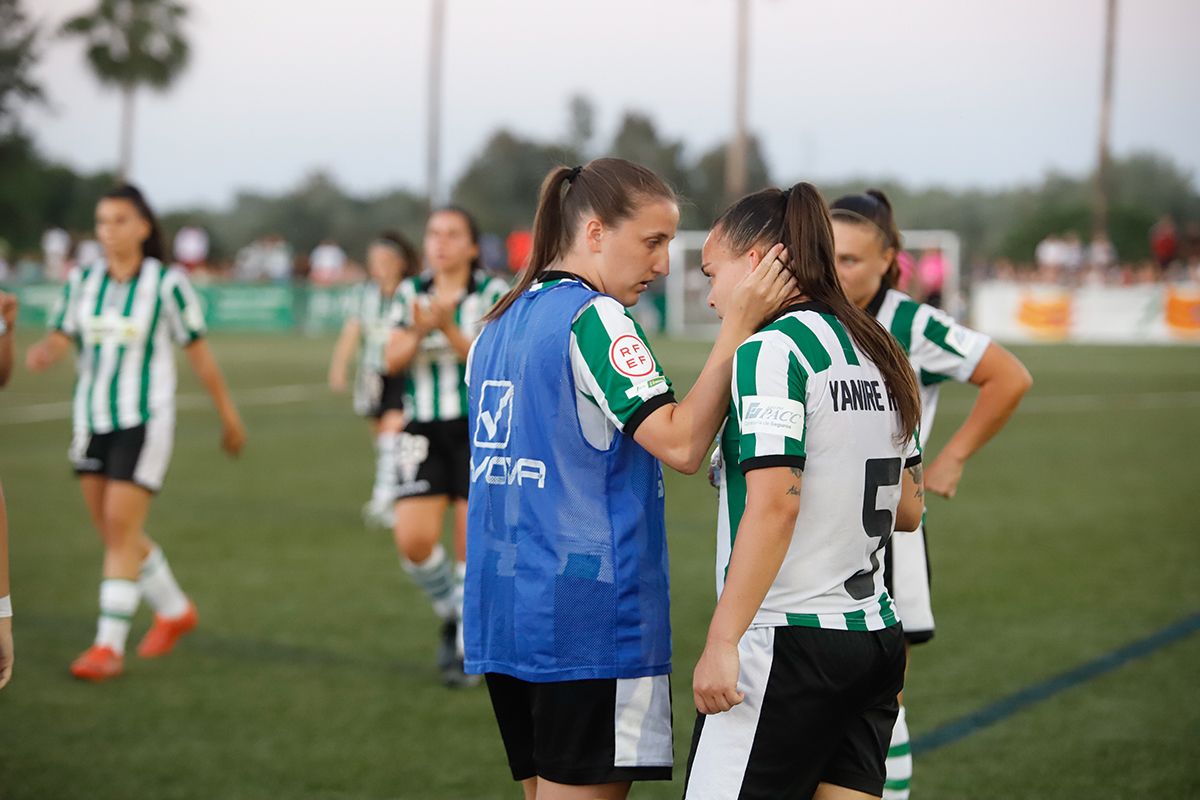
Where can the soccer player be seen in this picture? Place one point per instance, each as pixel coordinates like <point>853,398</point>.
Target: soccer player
<point>868,243</point>
<point>567,604</point>
<point>378,395</point>
<point>796,686</point>
<point>122,314</point>
<point>436,317</point>
<point>8,320</point>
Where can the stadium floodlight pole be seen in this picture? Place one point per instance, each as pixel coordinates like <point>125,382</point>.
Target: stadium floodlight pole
<point>1100,210</point>
<point>433,121</point>
<point>735,155</point>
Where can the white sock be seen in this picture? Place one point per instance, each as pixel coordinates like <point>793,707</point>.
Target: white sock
<point>460,575</point>
<point>386,478</point>
<point>118,602</point>
<point>159,587</point>
<point>899,764</point>
<point>436,579</point>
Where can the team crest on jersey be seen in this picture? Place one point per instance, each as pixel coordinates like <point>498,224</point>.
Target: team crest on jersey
<point>493,423</point>
<point>630,356</point>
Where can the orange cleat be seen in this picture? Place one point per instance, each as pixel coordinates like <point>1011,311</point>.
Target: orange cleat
<point>98,663</point>
<point>164,633</point>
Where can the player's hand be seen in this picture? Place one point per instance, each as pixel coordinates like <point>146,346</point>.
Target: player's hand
<point>943,475</point>
<point>40,356</point>
<point>233,437</point>
<point>425,316</point>
<point>337,380</point>
<point>762,294</point>
<point>8,309</point>
<point>6,651</point>
<point>714,682</point>
<point>714,469</point>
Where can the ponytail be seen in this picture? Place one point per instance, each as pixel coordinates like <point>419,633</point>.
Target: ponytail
<point>547,239</point>
<point>612,189</point>
<point>800,220</point>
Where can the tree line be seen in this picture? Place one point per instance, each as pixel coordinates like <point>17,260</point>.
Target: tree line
<point>500,183</point>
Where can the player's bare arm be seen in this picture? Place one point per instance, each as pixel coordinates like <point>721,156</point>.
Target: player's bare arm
<point>1002,380</point>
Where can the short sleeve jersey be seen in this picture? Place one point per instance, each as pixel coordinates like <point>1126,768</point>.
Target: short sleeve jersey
<point>804,397</point>
<point>938,348</point>
<point>123,331</point>
<point>618,381</point>
<point>436,388</point>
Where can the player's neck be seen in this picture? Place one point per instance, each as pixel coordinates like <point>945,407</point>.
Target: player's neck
<point>452,280</point>
<point>582,268</point>
<point>122,266</point>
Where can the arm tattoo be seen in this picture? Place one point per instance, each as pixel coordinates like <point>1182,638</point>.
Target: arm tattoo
<point>917,473</point>
<point>794,489</point>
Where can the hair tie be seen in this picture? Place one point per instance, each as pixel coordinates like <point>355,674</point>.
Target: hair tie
<point>573,174</point>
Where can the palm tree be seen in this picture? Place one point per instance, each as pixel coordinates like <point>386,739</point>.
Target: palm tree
<point>132,43</point>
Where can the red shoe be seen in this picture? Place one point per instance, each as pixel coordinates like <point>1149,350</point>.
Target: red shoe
<point>98,663</point>
<point>164,633</point>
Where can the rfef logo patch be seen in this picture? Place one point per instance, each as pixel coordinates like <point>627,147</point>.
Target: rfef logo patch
<point>630,356</point>
<point>493,423</point>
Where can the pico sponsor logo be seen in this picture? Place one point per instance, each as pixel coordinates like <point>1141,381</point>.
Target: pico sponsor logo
<point>773,416</point>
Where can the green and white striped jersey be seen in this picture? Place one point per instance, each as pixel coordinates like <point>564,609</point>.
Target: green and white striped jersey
<point>373,311</point>
<point>436,387</point>
<point>938,348</point>
<point>618,382</point>
<point>805,397</point>
<point>123,331</point>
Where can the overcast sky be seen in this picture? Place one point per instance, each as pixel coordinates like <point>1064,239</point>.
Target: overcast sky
<point>957,92</point>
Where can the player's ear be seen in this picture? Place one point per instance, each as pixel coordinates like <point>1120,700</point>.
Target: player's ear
<point>593,232</point>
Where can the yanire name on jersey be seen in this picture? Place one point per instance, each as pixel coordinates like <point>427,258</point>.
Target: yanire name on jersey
<point>859,395</point>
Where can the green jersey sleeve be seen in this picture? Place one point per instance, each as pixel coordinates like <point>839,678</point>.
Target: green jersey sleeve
<point>181,307</point>
<point>614,366</point>
<point>768,399</point>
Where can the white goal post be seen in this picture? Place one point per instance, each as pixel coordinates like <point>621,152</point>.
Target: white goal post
<point>688,314</point>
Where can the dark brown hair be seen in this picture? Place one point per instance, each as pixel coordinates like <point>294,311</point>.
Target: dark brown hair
<point>152,246</point>
<point>799,219</point>
<point>610,188</point>
<point>398,242</point>
<point>472,228</point>
<point>872,209</point>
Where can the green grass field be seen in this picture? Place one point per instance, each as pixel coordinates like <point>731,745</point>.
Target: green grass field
<point>312,676</point>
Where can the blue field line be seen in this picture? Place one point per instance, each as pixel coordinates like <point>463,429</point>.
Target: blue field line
<point>961,728</point>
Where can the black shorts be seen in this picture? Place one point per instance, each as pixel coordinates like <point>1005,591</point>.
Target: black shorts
<point>139,455</point>
<point>434,458</point>
<point>379,394</point>
<point>820,707</point>
<point>588,732</point>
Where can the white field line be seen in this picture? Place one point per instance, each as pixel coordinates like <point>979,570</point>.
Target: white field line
<point>301,392</point>
<point>267,396</point>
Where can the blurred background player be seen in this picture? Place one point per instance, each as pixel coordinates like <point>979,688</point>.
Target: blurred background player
<point>568,611</point>
<point>122,314</point>
<point>796,688</point>
<point>8,320</point>
<point>867,240</point>
<point>436,316</point>
<point>378,395</point>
